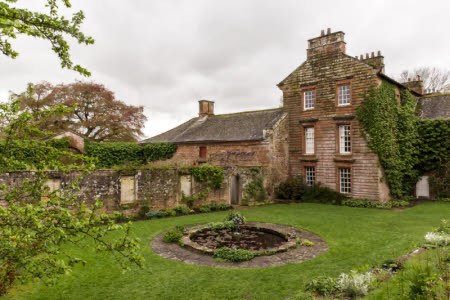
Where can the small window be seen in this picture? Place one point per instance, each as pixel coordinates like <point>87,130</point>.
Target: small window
<point>345,146</point>
<point>345,180</point>
<point>309,99</point>
<point>343,94</point>
<point>310,175</point>
<point>309,140</point>
<point>202,152</point>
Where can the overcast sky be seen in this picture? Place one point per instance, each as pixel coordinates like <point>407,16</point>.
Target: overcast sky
<point>166,55</point>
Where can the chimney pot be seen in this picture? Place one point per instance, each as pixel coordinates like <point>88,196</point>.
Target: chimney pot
<point>206,108</point>
<point>372,54</point>
<point>328,30</point>
<point>367,55</point>
<point>361,57</point>
<point>379,53</point>
<point>322,32</point>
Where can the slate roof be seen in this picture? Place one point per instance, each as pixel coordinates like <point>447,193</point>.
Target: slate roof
<point>243,126</point>
<point>435,107</point>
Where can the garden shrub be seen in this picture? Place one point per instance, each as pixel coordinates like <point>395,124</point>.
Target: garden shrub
<point>174,235</point>
<point>221,225</point>
<point>182,210</point>
<point>421,282</point>
<point>355,283</point>
<point>109,154</point>
<point>374,204</point>
<point>292,189</point>
<point>233,255</point>
<point>143,210</point>
<point>237,218</point>
<point>321,194</point>
<point>322,285</point>
<point>194,198</point>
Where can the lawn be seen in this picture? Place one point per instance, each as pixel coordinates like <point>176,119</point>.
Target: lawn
<point>356,237</point>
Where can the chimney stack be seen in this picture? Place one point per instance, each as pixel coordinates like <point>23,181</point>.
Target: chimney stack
<point>415,85</point>
<point>376,61</point>
<point>332,42</point>
<point>206,108</point>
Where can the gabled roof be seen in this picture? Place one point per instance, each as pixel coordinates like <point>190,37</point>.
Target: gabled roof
<point>434,106</point>
<point>243,126</point>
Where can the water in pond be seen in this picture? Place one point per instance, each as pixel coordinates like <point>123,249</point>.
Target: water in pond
<point>246,238</point>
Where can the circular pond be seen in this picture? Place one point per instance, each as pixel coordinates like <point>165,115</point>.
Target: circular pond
<point>273,245</point>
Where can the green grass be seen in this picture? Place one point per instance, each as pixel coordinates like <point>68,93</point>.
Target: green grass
<point>356,237</point>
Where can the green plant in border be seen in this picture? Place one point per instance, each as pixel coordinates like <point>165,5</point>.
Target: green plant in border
<point>233,255</point>
<point>254,190</point>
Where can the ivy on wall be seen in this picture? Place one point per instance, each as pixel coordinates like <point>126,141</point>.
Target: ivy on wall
<point>213,176</point>
<point>434,143</point>
<point>254,189</point>
<point>121,153</point>
<point>390,129</point>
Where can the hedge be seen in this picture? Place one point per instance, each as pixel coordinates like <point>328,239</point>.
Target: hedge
<point>109,154</point>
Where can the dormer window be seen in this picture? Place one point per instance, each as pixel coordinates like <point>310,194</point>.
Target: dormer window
<point>344,95</point>
<point>309,99</point>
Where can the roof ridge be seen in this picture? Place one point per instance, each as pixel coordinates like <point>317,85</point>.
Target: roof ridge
<point>248,111</point>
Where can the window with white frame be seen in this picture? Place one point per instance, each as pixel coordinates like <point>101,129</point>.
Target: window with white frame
<point>343,94</point>
<point>310,175</point>
<point>309,99</point>
<point>309,140</point>
<point>345,180</point>
<point>345,146</point>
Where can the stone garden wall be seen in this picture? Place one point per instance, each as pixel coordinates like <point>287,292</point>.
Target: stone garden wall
<point>127,191</point>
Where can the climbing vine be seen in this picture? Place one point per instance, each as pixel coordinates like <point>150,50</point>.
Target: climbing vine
<point>390,129</point>
<point>434,143</point>
<point>213,176</point>
<point>254,189</point>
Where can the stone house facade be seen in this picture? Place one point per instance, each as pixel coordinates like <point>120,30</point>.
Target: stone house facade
<point>321,97</point>
<point>237,142</point>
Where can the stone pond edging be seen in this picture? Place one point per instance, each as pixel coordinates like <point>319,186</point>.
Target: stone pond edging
<point>290,254</point>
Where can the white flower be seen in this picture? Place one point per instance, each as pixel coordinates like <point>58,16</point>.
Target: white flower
<point>440,239</point>
<point>355,283</point>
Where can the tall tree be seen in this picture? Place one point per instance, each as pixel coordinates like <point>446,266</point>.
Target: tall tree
<point>50,26</point>
<point>95,112</point>
<point>433,78</point>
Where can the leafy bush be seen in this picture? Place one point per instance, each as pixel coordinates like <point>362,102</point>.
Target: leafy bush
<point>143,211</point>
<point>233,255</point>
<point>374,204</point>
<point>355,284</point>
<point>292,189</point>
<point>109,154</point>
<point>192,199</point>
<point>324,286</point>
<point>219,207</point>
<point>182,210</point>
<point>235,217</point>
<point>160,214</point>
<point>422,279</point>
<point>437,238</point>
<point>321,194</point>
<point>221,225</point>
<point>254,189</point>
<point>174,235</point>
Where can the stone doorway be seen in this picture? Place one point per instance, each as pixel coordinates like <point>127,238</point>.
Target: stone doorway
<point>235,190</point>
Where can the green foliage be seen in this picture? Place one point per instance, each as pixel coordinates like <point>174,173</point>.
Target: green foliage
<point>194,198</point>
<point>233,255</point>
<point>439,181</point>
<point>421,282</point>
<point>306,243</point>
<point>434,144</point>
<point>390,130</point>
<point>221,225</point>
<point>322,194</point>
<point>174,235</point>
<point>236,217</point>
<point>292,189</point>
<point>182,210</point>
<point>254,189</point>
<point>51,26</point>
<point>109,154</point>
<point>161,214</point>
<point>143,210</point>
<point>213,176</point>
<point>374,204</point>
<point>322,285</point>
<point>37,222</point>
